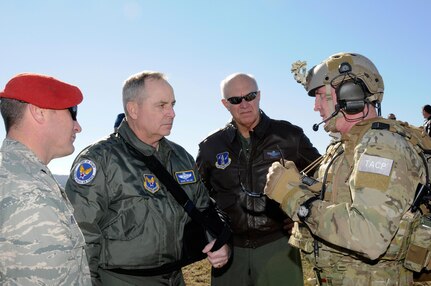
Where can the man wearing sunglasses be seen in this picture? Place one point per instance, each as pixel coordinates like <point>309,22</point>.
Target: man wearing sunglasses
<point>40,241</point>
<point>233,163</point>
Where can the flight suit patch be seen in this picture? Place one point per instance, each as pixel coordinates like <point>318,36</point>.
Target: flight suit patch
<point>223,160</point>
<point>85,171</point>
<point>272,154</point>
<point>150,183</point>
<point>185,177</point>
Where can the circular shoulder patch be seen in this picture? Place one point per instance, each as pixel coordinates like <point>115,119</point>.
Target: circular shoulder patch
<point>85,171</point>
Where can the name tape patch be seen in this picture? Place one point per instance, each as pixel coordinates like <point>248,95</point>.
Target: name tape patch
<point>185,177</point>
<point>271,154</point>
<point>375,165</point>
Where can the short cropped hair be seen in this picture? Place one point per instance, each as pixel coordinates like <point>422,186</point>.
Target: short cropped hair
<point>12,111</point>
<point>227,80</point>
<point>135,83</point>
<point>427,108</point>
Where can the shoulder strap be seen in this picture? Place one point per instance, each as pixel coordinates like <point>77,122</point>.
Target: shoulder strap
<point>210,219</point>
<point>165,177</point>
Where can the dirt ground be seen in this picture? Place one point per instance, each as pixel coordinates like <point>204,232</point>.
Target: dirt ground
<point>198,274</point>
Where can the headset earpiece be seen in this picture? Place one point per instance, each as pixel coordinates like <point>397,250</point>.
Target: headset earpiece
<point>351,97</point>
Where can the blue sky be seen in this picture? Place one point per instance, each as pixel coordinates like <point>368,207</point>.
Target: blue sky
<point>97,44</point>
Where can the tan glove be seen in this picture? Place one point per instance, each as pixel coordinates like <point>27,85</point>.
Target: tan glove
<point>279,179</point>
<point>284,185</point>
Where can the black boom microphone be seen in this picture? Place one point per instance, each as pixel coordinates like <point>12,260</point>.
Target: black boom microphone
<point>316,126</point>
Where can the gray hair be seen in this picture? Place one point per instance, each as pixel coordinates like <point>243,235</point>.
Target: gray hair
<point>224,83</point>
<point>136,83</point>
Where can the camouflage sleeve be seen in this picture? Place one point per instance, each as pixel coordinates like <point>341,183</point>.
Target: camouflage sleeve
<point>40,242</point>
<point>382,184</point>
<point>86,189</point>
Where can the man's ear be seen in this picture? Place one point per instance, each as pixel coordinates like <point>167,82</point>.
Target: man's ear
<point>132,109</point>
<point>225,103</point>
<point>38,114</point>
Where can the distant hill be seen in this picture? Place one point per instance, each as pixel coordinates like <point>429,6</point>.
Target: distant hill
<point>61,179</point>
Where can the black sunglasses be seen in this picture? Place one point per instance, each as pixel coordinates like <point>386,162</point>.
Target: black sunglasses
<point>73,112</point>
<point>238,99</point>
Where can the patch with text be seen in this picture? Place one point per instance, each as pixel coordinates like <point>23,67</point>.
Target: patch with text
<point>375,165</point>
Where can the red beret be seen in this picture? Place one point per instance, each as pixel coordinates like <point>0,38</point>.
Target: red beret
<point>42,91</point>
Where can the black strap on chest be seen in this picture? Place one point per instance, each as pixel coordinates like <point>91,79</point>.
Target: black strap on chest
<point>211,218</point>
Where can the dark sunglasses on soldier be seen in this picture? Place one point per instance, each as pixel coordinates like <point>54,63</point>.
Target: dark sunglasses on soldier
<point>73,112</point>
<point>238,99</point>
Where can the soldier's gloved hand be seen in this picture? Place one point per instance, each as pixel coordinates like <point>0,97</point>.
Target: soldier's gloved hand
<point>279,179</point>
<point>288,224</point>
<point>283,185</point>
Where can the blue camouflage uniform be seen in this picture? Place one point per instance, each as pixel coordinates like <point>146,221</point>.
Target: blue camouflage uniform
<point>40,241</point>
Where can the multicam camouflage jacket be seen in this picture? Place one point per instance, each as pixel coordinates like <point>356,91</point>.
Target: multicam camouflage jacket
<point>361,222</point>
<point>40,242</point>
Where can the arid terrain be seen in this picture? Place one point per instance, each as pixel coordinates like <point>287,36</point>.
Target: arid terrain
<point>198,274</point>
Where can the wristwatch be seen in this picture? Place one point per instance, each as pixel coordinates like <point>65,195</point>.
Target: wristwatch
<point>304,210</point>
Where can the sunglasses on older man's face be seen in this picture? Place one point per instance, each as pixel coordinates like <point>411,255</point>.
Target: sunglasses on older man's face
<point>73,112</point>
<point>238,99</point>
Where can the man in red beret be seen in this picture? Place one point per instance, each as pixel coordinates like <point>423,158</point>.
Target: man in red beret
<point>41,242</point>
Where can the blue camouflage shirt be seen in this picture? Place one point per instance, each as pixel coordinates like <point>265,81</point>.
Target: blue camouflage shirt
<point>40,241</point>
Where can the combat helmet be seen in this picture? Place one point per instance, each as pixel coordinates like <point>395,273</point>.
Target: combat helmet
<point>343,67</point>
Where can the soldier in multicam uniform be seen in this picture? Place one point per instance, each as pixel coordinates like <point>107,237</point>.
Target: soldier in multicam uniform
<point>354,221</point>
<point>40,242</point>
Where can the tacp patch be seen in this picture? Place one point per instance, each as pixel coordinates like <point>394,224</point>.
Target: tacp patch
<point>150,183</point>
<point>185,177</point>
<point>223,160</point>
<point>375,165</point>
<point>85,171</point>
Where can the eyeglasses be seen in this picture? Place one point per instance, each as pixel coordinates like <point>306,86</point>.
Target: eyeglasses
<point>238,99</point>
<point>73,112</point>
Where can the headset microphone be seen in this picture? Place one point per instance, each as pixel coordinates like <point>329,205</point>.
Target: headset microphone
<point>316,126</point>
